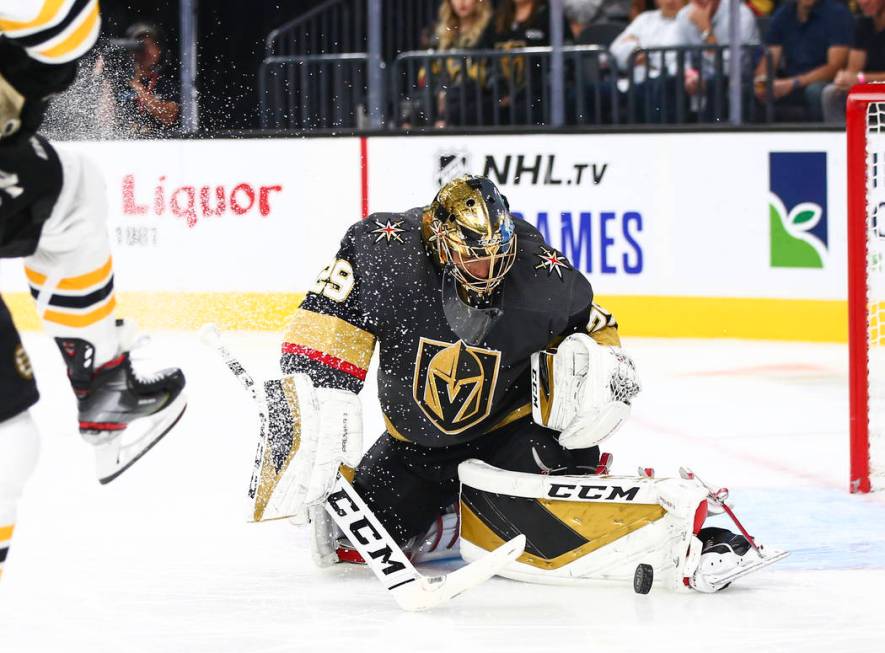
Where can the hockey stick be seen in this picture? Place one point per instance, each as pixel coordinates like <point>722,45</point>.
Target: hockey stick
<point>410,589</point>
<point>211,337</point>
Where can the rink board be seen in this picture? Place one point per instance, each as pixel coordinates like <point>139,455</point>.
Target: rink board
<point>682,235</point>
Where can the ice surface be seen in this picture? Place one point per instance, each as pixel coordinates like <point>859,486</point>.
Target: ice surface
<point>162,559</point>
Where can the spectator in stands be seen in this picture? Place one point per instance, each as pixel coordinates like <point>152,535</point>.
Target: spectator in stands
<point>866,60</point>
<point>462,24</point>
<point>582,14</point>
<point>810,40</point>
<point>708,22</point>
<point>657,28</point>
<point>651,29</point>
<point>519,24</point>
<point>148,103</point>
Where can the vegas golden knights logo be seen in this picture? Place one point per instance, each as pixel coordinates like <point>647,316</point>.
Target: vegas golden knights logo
<point>454,383</point>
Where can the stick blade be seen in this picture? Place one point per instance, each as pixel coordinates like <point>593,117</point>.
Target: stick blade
<point>430,592</point>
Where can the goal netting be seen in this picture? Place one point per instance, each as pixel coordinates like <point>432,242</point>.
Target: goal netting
<point>866,279</point>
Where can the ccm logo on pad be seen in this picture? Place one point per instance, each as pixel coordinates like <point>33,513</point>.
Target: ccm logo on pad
<point>591,492</point>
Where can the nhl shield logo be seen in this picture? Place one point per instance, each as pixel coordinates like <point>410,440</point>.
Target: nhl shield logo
<point>450,165</point>
<point>454,383</point>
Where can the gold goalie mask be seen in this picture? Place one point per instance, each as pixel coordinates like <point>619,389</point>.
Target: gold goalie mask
<point>470,227</point>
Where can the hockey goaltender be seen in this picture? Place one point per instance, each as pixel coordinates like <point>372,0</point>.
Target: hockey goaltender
<point>498,378</point>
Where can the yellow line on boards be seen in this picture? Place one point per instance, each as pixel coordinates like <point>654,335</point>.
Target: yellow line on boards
<point>252,311</point>
<point>730,317</point>
<point>639,316</point>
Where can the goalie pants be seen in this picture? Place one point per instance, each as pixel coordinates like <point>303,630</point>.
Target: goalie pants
<point>408,486</point>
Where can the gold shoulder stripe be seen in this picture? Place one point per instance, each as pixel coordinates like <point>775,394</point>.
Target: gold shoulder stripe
<point>48,16</point>
<point>331,335</point>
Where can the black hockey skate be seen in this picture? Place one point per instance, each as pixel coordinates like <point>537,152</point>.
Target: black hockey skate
<point>121,413</point>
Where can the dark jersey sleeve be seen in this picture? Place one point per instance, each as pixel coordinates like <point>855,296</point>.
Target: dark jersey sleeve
<point>30,182</point>
<point>589,317</point>
<point>330,337</point>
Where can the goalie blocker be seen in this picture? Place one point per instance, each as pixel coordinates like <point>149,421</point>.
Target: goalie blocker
<point>581,528</point>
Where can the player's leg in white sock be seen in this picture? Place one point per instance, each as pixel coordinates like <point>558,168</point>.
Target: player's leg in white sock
<point>71,276</point>
<point>19,446</point>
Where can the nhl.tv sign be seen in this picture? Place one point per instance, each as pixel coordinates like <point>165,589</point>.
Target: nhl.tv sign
<point>797,209</point>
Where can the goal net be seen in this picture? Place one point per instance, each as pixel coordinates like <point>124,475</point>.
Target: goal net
<point>866,285</point>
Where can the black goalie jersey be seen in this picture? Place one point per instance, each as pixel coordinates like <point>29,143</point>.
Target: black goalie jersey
<point>385,286</point>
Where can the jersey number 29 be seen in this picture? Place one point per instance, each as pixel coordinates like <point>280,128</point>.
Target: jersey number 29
<point>335,281</point>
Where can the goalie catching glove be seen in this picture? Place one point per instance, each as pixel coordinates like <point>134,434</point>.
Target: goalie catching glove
<point>583,390</point>
<point>309,432</point>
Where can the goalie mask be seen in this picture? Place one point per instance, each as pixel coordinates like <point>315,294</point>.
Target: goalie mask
<point>471,231</point>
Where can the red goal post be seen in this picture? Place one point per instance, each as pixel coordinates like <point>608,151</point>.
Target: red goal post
<point>865,120</point>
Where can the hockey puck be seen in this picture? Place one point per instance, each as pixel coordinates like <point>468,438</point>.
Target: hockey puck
<point>642,578</point>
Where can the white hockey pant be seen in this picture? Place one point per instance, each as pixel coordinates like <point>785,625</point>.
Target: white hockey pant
<point>71,273</point>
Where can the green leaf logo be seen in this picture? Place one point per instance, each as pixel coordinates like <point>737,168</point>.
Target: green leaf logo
<point>791,244</point>
<point>800,218</point>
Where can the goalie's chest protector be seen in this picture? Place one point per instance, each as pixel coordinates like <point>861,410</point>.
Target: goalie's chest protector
<point>436,390</point>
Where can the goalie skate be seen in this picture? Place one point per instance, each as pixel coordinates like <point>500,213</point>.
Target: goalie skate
<point>720,563</point>
<point>754,560</point>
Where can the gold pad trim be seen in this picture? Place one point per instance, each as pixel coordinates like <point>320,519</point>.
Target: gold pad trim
<point>599,523</point>
<point>269,478</point>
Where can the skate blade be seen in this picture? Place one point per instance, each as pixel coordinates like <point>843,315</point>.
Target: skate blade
<point>113,458</point>
<point>764,561</point>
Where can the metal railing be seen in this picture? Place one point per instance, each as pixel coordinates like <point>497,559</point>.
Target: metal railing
<point>339,26</point>
<point>327,91</point>
<point>690,84</point>
<point>332,27</point>
<point>498,88</point>
<point>509,88</point>
<point>407,25</point>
